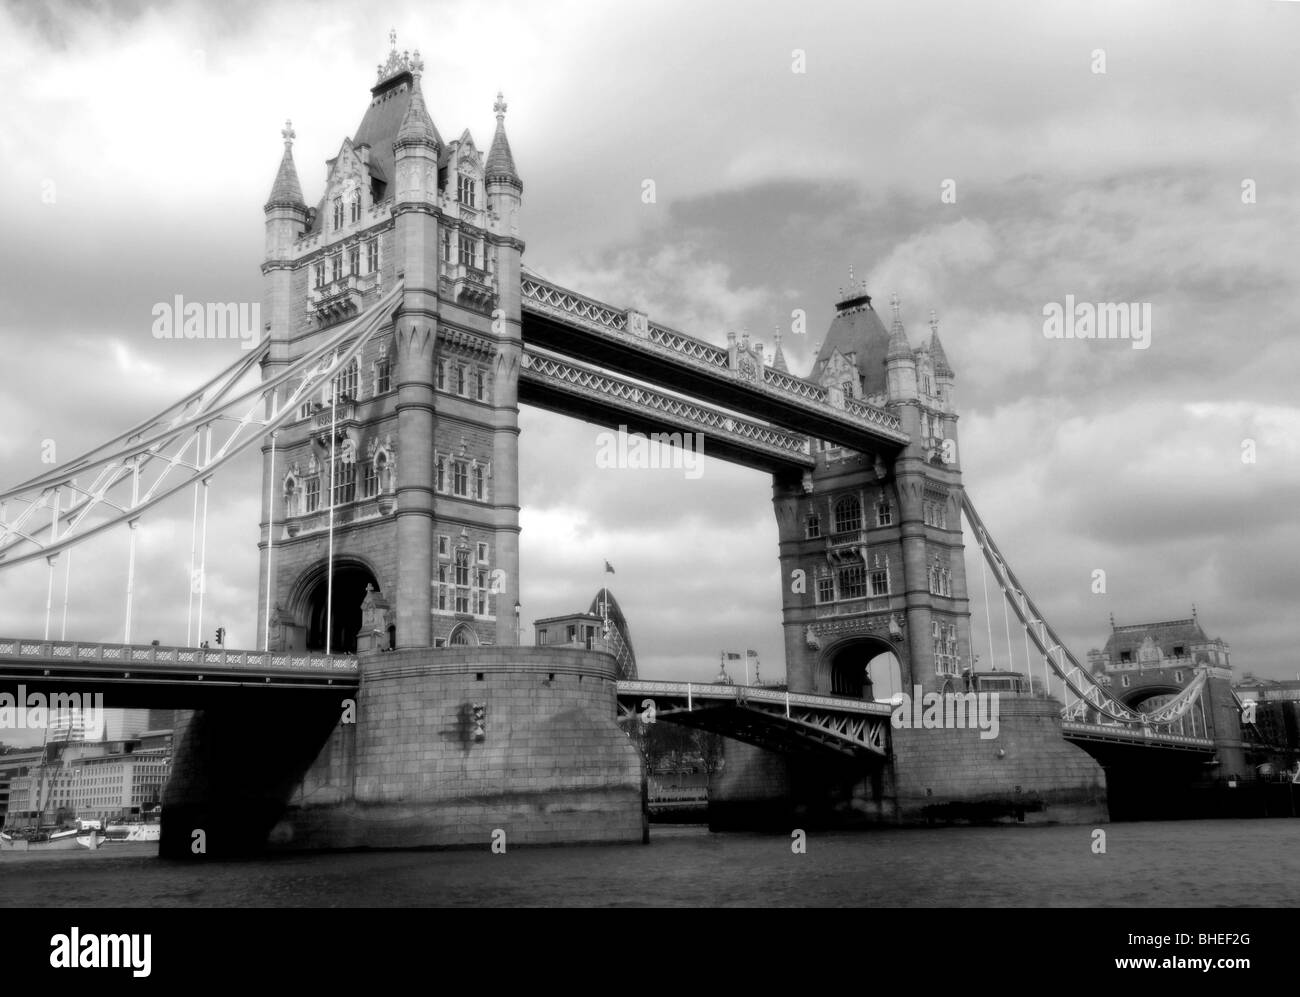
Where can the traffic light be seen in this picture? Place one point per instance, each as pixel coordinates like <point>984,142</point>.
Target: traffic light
<point>221,636</point>
<point>480,721</point>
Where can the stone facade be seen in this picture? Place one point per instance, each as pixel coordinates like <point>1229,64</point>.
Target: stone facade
<point>419,435</point>
<point>549,763</point>
<point>1028,773</point>
<point>870,543</point>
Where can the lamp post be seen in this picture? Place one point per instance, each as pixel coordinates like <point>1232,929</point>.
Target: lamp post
<point>519,632</point>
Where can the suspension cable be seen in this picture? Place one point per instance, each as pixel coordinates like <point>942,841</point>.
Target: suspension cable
<point>194,547</point>
<point>988,620</point>
<point>1006,623</point>
<point>54,535</point>
<point>67,578</point>
<point>329,570</point>
<point>270,543</point>
<point>132,526</point>
<point>203,549</point>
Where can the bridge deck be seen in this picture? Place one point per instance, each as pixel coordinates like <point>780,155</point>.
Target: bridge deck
<point>1075,730</point>
<point>63,661</point>
<point>583,328</point>
<point>779,721</point>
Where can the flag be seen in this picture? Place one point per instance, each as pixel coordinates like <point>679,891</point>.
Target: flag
<point>733,656</point>
<point>751,654</point>
<point>609,568</point>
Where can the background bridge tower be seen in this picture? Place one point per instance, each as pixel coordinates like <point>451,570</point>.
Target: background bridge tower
<point>403,477</point>
<point>871,543</point>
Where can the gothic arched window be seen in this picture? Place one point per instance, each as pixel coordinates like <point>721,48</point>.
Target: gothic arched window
<point>348,380</point>
<point>848,515</point>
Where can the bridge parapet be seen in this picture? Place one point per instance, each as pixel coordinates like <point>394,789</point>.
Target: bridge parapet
<point>710,692</point>
<point>81,652</point>
<point>1078,730</point>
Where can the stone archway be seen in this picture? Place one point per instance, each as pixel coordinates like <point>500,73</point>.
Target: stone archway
<point>340,609</point>
<point>463,636</point>
<point>860,668</point>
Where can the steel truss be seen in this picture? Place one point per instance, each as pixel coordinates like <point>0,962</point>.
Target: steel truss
<point>848,726</point>
<point>184,444</point>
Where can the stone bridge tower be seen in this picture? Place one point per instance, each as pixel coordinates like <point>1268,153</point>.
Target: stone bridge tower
<point>425,421</point>
<point>870,543</point>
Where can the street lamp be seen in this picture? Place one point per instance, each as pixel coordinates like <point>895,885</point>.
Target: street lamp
<point>519,631</point>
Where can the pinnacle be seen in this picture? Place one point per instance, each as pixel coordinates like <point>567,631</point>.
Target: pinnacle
<point>286,190</point>
<point>500,162</point>
<point>417,125</point>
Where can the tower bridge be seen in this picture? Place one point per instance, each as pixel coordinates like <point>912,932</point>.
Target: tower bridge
<point>404,331</point>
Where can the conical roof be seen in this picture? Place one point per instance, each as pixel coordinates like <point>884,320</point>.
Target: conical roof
<point>856,329</point>
<point>286,191</point>
<point>417,125</point>
<point>778,359</point>
<point>500,162</point>
<point>899,349</point>
<point>937,356</point>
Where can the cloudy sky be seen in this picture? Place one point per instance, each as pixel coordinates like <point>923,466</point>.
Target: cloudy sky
<point>138,146</point>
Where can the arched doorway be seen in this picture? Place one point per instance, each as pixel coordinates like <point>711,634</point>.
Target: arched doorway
<point>463,636</point>
<point>862,669</point>
<point>349,589</point>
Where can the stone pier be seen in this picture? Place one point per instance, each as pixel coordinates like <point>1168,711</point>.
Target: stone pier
<point>449,747</point>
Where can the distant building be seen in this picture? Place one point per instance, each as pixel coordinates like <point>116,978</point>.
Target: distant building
<point>14,765</point>
<point>1146,664</point>
<point>602,628</point>
<point>118,724</point>
<point>89,779</point>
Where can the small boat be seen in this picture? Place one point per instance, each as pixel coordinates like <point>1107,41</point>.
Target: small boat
<point>39,841</point>
<point>91,839</point>
<point>133,831</point>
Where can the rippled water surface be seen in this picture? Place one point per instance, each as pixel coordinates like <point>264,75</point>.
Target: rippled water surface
<point>1163,864</point>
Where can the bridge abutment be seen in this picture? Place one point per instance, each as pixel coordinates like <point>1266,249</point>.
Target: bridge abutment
<point>225,792</point>
<point>1027,773</point>
<point>451,747</point>
<point>548,764</point>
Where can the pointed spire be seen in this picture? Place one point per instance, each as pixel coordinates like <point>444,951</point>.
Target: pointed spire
<point>937,356</point>
<point>500,163</point>
<point>778,360</point>
<point>898,346</point>
<point>417,126</point>
<point>286,191</point>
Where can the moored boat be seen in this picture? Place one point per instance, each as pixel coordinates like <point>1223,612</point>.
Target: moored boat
<point>39,841</point>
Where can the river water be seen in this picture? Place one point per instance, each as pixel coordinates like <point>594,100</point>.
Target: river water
<point>1252,863</point>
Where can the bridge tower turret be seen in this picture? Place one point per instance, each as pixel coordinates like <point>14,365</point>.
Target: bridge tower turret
<point>504,196</point>
<point>871,546</point>
<point>415,331</point>
<point>287,217</point>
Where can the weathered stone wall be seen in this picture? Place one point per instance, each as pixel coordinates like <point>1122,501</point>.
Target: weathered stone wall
<point>552,767</point>
<point>938,775</point>
<point>1027,772</point>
